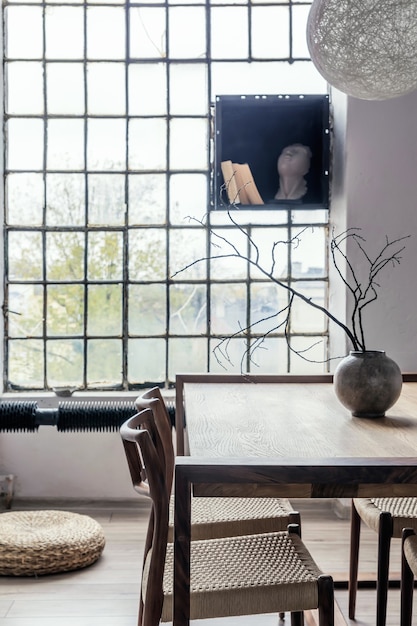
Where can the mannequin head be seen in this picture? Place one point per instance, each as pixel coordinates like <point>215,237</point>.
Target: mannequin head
<point>293,164</point>
<point>294,160</point>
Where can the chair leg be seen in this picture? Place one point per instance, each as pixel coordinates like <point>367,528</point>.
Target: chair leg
<point>326,601</point>
<point>297,618</point>
<point>384,543</point>
<point>407,584</point>
<point>355,530</point>
<point>295,518</point>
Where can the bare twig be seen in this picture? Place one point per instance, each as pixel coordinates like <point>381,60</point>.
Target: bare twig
<point>363,292</point>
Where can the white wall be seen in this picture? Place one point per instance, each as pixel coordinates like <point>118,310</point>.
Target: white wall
<point>380,185</point>
<point>374,188</point>
<point>49,464</point>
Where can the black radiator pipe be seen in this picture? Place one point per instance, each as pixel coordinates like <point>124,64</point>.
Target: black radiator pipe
<point>70,415</point>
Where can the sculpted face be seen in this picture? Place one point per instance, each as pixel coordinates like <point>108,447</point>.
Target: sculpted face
<point>294,160</point>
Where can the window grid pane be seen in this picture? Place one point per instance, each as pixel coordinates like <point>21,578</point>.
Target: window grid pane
<point>108,193</point>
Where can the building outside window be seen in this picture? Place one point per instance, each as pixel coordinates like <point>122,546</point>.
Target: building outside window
<point>109,193</point>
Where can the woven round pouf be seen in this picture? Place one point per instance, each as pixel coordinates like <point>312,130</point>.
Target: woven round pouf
<point>33,543</point>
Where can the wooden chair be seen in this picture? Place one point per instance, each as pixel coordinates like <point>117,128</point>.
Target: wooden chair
<point>387,517</point>
<point>212,517</point>
<point>246,575</point>
<point>408,573</point>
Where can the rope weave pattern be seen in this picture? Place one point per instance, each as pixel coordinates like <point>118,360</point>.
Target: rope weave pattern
<point>398,507</point>
<point>228,509</point>
<point>213,563</point>
<point>46,542</point>
<point>403,512</point>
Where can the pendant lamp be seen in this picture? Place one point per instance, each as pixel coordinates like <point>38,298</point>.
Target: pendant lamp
<point>365,48</point>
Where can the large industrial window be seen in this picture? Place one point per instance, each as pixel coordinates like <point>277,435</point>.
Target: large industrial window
<point>108,129</point>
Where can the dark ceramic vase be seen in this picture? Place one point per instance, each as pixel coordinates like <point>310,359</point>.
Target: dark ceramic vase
<point>367,383</point>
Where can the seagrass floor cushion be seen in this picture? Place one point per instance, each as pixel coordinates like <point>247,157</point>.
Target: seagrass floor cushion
<point>33,543</point>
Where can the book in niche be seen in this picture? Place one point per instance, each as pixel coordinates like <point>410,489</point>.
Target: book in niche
<point>240,185</point>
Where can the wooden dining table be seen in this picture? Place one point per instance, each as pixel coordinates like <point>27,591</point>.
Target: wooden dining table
<point>282,436</point>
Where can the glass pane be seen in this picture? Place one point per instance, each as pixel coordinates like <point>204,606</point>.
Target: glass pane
<point>270,252</point>
<point>65,88</point>
<point>187,246</point>
<point>268,308</point>
<point>270,34</point>
<point>147,144</point>
<point>304,317</point>
<point>219,2</point>
<point>24,144</point>
<point>187,355</point>
<point>228,356</point>
<point>106,144</point>
<point>189,142</point>
<point>24,199</point>
<point>299,29</point>
<point>308,355</point>
<point>65,310</point>
<point>188,83</point>
<point>26,363</point>
<point>65,256</point>
<point>193,45</point>
<point>106,33</point>
<point>25,311</point>
<point>147,199</point>
<point>65,194</point>
<point>188,198</point>
<point>65,144</point>
<point>106,88</point>
<point>147,254</point>
<point>265,78</point>
<point>24,88</point>
<point>106,199</point>
<point>64,32</point>
<point>309,252</point>
<point>147,33</point>
<point>147,310</point>
<point>310,217</point>
<point>188,306</point>
<point>104,313</point>
<point>148,89</point>
<point>269,356</point>
<point>24,32</point>
<point>146,360</point>
<point>105,255</point>
<point>226,244</point>
<point>221,32</point>
<point>104,362</point>
<point>25,255</point>
<point>228,308</point>
<point>64,362</point>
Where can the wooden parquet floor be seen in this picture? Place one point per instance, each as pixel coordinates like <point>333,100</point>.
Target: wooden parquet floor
<point>106,593</point>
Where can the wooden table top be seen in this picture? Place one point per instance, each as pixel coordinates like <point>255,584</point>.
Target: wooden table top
<point>293,420</point>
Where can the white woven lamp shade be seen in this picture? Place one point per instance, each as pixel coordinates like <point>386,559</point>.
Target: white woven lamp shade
<point>365,48</point>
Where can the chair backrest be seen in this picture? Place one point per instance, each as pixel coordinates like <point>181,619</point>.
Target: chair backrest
<point>153,399</point>
<point>151,467</point>
<point>139,480</point>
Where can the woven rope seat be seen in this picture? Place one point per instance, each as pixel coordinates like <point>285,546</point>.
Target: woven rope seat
<point>287,572</point>
<point>33,543</point>
<point>403,511</point>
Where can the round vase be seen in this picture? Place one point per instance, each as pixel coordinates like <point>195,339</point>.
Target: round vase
<point>367,383</point>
